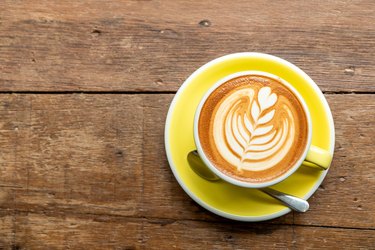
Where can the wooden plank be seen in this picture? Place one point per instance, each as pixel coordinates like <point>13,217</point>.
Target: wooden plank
<point>88,154</point>
<point>205,235</point>
<point>78,153</point>
<point>333,238</point>
<point>152,46</point>
<point>45,232</point>
<point>40,231</point>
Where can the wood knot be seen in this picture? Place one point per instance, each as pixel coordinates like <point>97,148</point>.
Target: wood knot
<point>159,82</point>
<point>342,178</point>
<point>119,153</point>
<point>350,71</point>
<point>96,32</point>
<point>205,23</point>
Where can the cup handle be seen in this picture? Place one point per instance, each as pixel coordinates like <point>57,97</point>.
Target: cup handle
<point>318,157</point>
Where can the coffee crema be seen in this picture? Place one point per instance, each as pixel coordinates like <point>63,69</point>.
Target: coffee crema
<point>253,128</point>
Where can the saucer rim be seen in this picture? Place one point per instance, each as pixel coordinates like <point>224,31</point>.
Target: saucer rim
<point>180,92</point>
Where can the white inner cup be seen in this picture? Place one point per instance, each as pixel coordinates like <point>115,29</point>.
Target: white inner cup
<point>230,179</point>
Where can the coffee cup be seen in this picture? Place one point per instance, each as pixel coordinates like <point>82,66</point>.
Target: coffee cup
<point>253,129</point>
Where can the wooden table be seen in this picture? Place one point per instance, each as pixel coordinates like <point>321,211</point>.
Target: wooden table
<point>85,88</point>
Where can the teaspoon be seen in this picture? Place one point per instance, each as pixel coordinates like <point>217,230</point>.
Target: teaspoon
<point>294,203</point>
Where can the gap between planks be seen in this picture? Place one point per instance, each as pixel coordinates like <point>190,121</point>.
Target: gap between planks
<point>166,221</point>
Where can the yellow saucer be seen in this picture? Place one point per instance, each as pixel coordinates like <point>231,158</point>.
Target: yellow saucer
<point>223,198</point>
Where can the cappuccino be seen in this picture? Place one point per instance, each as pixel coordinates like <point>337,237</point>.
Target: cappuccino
<point>253,128</point>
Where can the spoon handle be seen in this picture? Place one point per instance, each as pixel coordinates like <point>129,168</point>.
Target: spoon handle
<point>295,203</point>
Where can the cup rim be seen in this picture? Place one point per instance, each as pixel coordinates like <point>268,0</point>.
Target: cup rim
<point>240,182</point>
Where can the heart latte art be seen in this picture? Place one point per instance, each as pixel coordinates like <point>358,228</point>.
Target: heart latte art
<point>253,128</point>
<point>246,132</point>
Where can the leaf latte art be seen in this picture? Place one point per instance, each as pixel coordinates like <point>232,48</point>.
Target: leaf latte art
<point>253,128</point>
<point>246,133</point>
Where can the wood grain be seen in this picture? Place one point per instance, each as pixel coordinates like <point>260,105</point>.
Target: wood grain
<point>104,155</point>
<point>78,153</point>
<point>156,45</point>
<point>82,161</point>
<point>35,231</point>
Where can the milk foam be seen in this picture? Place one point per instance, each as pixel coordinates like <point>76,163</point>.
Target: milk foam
<point>253,129</point>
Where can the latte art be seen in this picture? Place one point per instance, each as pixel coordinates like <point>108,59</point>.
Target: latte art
<point>249,132</point>
<point>253,128</point>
